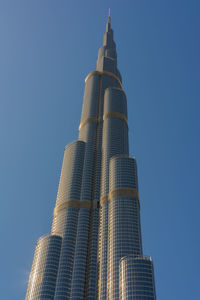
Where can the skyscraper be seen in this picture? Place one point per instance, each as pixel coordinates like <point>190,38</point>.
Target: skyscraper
<point>94,250</point>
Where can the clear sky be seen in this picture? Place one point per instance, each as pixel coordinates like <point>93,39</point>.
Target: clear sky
<point>47,49</point>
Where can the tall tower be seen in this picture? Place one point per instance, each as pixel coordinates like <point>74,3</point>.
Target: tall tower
<point>94,250</point>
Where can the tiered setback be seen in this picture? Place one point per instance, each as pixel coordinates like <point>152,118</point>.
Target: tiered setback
<point>115,141</point>
<point>136,278</point>
<point>42,281</point>
<point>66,214</point>
<point>90,131</point>
<point>123,218</point>
<point>97,215</point>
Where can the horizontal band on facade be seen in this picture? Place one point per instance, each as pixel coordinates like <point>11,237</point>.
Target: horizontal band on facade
<point>104,73</point>
<point>72,203</point>
<point>105,116</point>
<point>94,119</point>
<point>103,200</point>
<point>124,192</point>
<point>145,258</point>
<point>116,115</point>
<point>129,192</point>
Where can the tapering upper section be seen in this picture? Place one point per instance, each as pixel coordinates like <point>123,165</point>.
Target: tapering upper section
<point>107,56</point>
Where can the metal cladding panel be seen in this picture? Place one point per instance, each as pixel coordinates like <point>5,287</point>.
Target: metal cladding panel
<point>88,134</point>
<point>111,53</point>
<point>80,257</point>
<point>123,219</point>
<point>109,81</point>
<point>105,51</point>
<point>103,249</point>
<point>97,176</point>
<point>64,276</point>
<point>107,63</point>
<point>66,214</point>
<point>108,39</point>
<point>70,184</point>
<point>115,131</point>
<point>124,238</point>
<point>106,81</point>
<point>115,101</point>
<point>123,172</point>
<point>115,141</point>
<point>42,280</point>
<point>60,221</point>
<point>71,173</point>
<point>90,99</point>
<point>91,133</point>
<point>136,278</point>
<point>91,277</point>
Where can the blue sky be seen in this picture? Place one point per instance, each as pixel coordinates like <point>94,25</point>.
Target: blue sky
<point>47,49</point>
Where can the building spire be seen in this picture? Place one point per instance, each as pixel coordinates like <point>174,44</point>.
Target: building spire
<point>107,55</point>
<point>108,25</point>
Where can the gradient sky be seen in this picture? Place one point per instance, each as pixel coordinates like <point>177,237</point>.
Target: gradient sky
<point>47,49</point>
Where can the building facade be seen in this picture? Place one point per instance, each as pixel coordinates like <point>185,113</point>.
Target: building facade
<point>94,250</point>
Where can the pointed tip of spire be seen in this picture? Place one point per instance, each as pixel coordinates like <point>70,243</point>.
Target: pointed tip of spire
<point>108,25</point>
<point>109,18</point>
